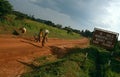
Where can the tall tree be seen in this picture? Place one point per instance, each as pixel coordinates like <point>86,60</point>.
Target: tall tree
<point>5,8</point>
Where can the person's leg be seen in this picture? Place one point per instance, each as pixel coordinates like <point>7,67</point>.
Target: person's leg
<point>43,41</point>
<point>46,38</point>
<point>40,38</point>
<point>35,38</point>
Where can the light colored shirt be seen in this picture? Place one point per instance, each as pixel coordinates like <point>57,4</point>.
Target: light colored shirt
<point>46,31</point>
<point>24,29</point>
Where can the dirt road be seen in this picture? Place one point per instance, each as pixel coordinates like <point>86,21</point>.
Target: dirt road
<point>14,49</point>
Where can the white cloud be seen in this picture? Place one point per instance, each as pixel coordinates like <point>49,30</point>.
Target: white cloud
<point>111,20</point>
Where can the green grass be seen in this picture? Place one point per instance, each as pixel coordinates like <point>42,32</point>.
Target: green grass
<point>10,24</point>
<point>73,64</point>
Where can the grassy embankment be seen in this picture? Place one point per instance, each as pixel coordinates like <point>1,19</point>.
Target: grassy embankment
<point>73,64</point>
<point>12,24</point>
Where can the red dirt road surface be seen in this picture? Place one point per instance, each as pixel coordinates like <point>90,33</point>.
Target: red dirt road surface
<point>14,49</point>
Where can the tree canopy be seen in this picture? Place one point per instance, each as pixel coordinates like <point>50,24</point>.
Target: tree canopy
<point>5,7</point>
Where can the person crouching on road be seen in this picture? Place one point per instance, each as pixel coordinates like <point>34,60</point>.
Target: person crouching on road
<point>23,30</point>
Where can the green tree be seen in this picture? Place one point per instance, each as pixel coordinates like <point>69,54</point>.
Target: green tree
<point>5,8</point>
<point>69,29</point>
<point>59,26</point>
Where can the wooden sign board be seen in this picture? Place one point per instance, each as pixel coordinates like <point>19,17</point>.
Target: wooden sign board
<point>104,38</point>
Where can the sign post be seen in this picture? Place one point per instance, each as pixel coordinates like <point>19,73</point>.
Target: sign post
<point>105,39</point>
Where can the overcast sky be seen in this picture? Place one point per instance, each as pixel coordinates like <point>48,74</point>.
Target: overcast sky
<point>79,14</point>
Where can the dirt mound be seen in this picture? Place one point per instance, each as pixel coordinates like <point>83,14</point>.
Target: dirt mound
<point>14,49</point>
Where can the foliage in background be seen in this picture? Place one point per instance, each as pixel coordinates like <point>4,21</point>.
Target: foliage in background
<point>5,8</point>
<point>13,23</point>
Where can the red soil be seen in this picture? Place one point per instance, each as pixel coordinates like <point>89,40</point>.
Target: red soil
<point>14,49</point>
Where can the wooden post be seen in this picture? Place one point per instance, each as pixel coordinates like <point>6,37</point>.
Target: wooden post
<point>109,62</point>
<point>86,54</point>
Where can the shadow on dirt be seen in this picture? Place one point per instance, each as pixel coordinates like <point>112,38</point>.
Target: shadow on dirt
<point>31,43</point>
<point>58,51</point>
<point>29,39</point>
<point>27,64</point>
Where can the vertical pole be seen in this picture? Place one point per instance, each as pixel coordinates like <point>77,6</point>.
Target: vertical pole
<point>109,62</point>
<point>86,54</point>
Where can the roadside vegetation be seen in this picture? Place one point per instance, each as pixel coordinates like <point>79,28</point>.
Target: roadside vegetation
<point>11,25</point>
<point>74,64</point>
